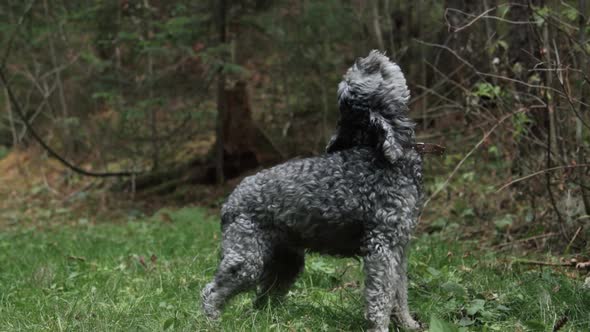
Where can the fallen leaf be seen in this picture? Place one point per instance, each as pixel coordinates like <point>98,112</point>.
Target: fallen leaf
<point>142,261</point>
<point>77,258</point>
<point>166,217</point>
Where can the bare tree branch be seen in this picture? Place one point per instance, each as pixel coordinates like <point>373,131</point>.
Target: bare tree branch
<point>17,108</point>
<point>483,139</point>
<point>51,151</point>
<point>543,171</point>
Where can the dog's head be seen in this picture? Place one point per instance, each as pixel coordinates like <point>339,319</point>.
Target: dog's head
<point>374,92</point>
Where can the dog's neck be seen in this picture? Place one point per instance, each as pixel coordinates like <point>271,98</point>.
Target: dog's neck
<point>356,130</point>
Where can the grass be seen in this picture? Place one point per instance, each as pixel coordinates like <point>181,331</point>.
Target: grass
<point>146,274</point>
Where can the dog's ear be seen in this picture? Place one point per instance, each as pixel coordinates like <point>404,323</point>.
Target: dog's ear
<point>386,140</point>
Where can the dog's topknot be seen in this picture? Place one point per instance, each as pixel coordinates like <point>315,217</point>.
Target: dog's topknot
<point>373,99</point>
<point>376,82</point>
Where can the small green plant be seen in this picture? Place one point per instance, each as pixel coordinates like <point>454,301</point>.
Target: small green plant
<point>3,152</point>
<point>521,122</point>
<point>487,90</point>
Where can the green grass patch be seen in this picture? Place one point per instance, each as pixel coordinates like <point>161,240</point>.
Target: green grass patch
<point>3,151</point>
<point>146,275</point>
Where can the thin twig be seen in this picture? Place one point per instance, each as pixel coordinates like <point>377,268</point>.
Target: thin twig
<point>484,138</point>
<point>567,249</point>
<point>543,171</point>
<point>541,263</point>
<point>536,237</point>
<point>500,77</point>
<point>14,33</point>
<point>45,146</point>
<point>568,96</point>
<point>457,29</point>
<point>497,18</point>
<point>36,136</point>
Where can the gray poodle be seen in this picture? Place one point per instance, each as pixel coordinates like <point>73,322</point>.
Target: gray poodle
<point>362,198</point>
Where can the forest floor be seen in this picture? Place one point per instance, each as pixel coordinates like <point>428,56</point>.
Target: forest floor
<point>76,259</point>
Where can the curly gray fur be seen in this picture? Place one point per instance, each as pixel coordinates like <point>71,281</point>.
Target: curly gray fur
<point>363,197</point>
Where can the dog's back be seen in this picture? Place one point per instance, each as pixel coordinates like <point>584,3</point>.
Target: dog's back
<point>326,203</point>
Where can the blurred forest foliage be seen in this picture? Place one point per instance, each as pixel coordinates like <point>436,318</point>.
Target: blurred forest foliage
<point>150,86</point>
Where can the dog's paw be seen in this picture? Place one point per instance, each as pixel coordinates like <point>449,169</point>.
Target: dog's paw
<point>211,313</point>
<point>413,325</point>
<point>210,309</point>
<point>378,329</point>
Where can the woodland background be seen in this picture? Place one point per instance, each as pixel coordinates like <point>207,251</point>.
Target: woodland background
<point>115,109</point>
<point>151,86</point>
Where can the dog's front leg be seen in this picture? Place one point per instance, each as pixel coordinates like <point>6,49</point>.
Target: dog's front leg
<point>401,310</point>
<point>380,278</point>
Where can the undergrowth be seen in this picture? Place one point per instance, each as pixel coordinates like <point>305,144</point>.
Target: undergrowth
<point>146,275</point>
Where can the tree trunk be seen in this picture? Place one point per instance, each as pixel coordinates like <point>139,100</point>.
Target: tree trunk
<point>221,107</point>
<point>60,88</point>
<point>389,22</point>
<point>153,113</point>
<point>245,147</point>
<point>583,63</point>
<point>377,24</point>
<point>523,54</point>
<point>15,139</point>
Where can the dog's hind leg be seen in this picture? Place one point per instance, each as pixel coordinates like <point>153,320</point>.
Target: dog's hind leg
<point>244,250</point>
<point>280,273</point>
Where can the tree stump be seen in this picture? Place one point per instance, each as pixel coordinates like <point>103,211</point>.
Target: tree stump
<point>245,148</point>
